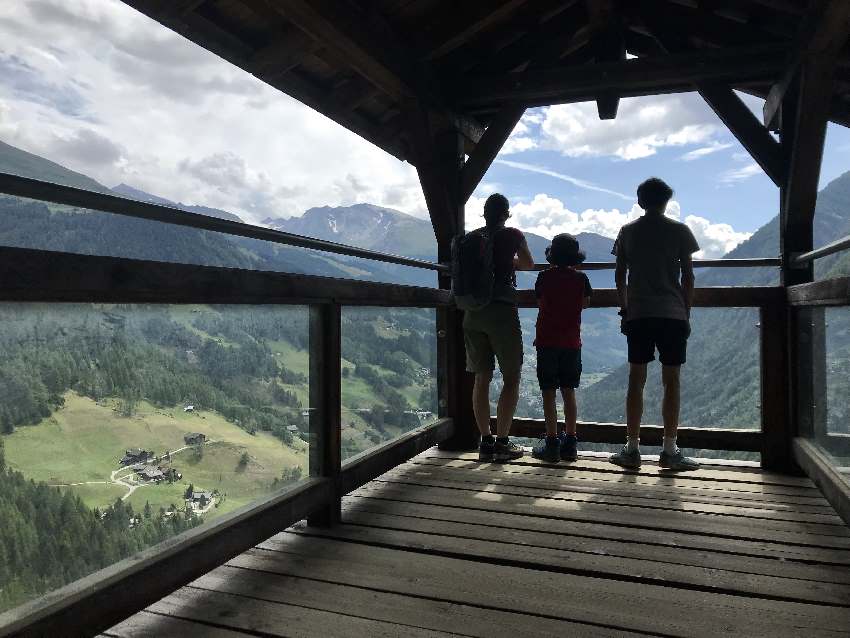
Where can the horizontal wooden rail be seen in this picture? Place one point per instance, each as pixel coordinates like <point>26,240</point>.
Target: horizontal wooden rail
<point>98,601</point>
<point>615,433</point>
<point>714,297</point>
<point>368,465</point>
<point>820,468</point>
<point>823,251</point>
<point>117,205</point>
<point>829,292</point>
<point>758,262</point>
<point>45,276</point>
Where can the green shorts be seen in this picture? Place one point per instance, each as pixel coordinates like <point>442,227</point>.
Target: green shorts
<point>490,334</point>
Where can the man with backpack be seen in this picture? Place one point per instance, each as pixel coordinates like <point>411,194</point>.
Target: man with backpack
<point>484,264</point>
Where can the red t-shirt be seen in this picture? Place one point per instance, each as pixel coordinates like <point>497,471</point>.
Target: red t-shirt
<point>560,297</point>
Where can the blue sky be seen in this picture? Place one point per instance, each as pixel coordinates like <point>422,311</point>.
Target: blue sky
<point>104,90</point>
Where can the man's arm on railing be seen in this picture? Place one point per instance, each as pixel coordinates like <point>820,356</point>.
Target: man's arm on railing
<point>523,259</point>
<point>620,281</point>
<point>688,281</point>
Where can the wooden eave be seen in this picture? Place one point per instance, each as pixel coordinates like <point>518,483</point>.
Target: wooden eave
<point>365,63</point>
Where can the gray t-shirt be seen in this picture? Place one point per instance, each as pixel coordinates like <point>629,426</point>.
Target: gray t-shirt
<point>652,249</point>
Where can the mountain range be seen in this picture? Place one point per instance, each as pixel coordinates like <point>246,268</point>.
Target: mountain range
<point>720,386</point>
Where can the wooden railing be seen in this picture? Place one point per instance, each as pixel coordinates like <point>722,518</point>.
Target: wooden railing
<point>807,304</point>
<point>103,598</point>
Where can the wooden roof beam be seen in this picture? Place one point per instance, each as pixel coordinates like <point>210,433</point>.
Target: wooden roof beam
<point>288,50</point>
<point>370,47</point>
<point>823,33</point>
<point>610,46</point>
<point>641,76</point>
<point>488,148</point>
<point>764,149</point>
<point>475,17</point>
<point>352,40</point>
<point>745,126</point>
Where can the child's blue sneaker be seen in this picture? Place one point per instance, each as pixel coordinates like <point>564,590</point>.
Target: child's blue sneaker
<point>548,450</point>
<point>569,446</point>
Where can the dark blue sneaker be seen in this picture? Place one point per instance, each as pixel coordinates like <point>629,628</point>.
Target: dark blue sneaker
<point>569,446</point>
<point>548,450</point>
<point>487,450</point>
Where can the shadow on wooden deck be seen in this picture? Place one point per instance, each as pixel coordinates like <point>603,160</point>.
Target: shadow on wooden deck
<point>446,545</point>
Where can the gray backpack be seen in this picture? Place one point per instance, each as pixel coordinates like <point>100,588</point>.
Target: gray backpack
<point>473,269</point>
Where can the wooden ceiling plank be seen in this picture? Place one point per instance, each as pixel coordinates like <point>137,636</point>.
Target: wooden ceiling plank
<point>480,17</point>
<point>289,49</point>
<point>765,150</point>
<point>491,143</point>
<point>346,34</point>
<point>823,33</point>
<point>666,74</point>
<point>544,36</point>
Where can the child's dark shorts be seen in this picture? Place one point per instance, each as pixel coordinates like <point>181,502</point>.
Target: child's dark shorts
<point>558,367</point>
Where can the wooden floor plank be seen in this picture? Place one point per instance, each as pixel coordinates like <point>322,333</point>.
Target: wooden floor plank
<point>277,619</point>
<point>809,534</point>
<point>650,469</point>
<point>580,598</point>
<point>149,625</point>
<point>471,620</point>
<point>557,535</point>
<point>809,498</point>
<point>591,564</point>
<point>670,500</point>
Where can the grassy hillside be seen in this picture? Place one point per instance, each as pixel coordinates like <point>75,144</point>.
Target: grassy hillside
<point>80,445</point>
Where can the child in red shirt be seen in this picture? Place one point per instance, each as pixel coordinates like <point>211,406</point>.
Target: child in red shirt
<point>562,293</point>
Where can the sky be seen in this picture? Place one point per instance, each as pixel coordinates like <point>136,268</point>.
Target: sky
<point>104,90</point>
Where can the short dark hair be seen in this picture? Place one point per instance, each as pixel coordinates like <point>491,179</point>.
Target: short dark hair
<point>496,208</point>
<point>654,193</point>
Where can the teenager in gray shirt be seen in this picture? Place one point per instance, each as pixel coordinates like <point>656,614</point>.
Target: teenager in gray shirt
<point>655,251</point>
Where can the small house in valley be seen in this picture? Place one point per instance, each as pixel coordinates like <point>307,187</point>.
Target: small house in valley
<point>136,455</point>
<point>152,474</point>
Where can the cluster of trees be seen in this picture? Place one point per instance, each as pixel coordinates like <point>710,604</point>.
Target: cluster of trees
<point>135,354</point>
<point>288,476</point>
<point>49,538</point>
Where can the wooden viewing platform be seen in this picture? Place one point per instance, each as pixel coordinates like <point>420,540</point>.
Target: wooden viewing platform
<point>445,545</point>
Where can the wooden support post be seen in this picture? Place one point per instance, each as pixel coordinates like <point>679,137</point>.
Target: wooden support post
<point>439,159</point>
<point>775,424</point>
<point>326,404</point>
<point>805,111</point>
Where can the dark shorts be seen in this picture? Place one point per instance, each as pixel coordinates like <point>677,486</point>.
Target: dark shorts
<point>670,336</point>
<point>558,367</point>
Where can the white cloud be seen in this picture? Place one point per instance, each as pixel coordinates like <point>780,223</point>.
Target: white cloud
<point>643,125</point>
<point>735,175</point>
<point>702,151</point>
<point>547,216</point>
<point>581,183</point>
<point>108,92</point>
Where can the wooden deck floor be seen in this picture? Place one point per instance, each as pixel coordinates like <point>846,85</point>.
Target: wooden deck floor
<point>446,545</point>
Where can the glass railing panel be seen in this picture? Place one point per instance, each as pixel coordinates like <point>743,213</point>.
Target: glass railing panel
<point>124,425</point>
<point>832,388</point>
<point>720,383</point>
<point>389,378</point>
